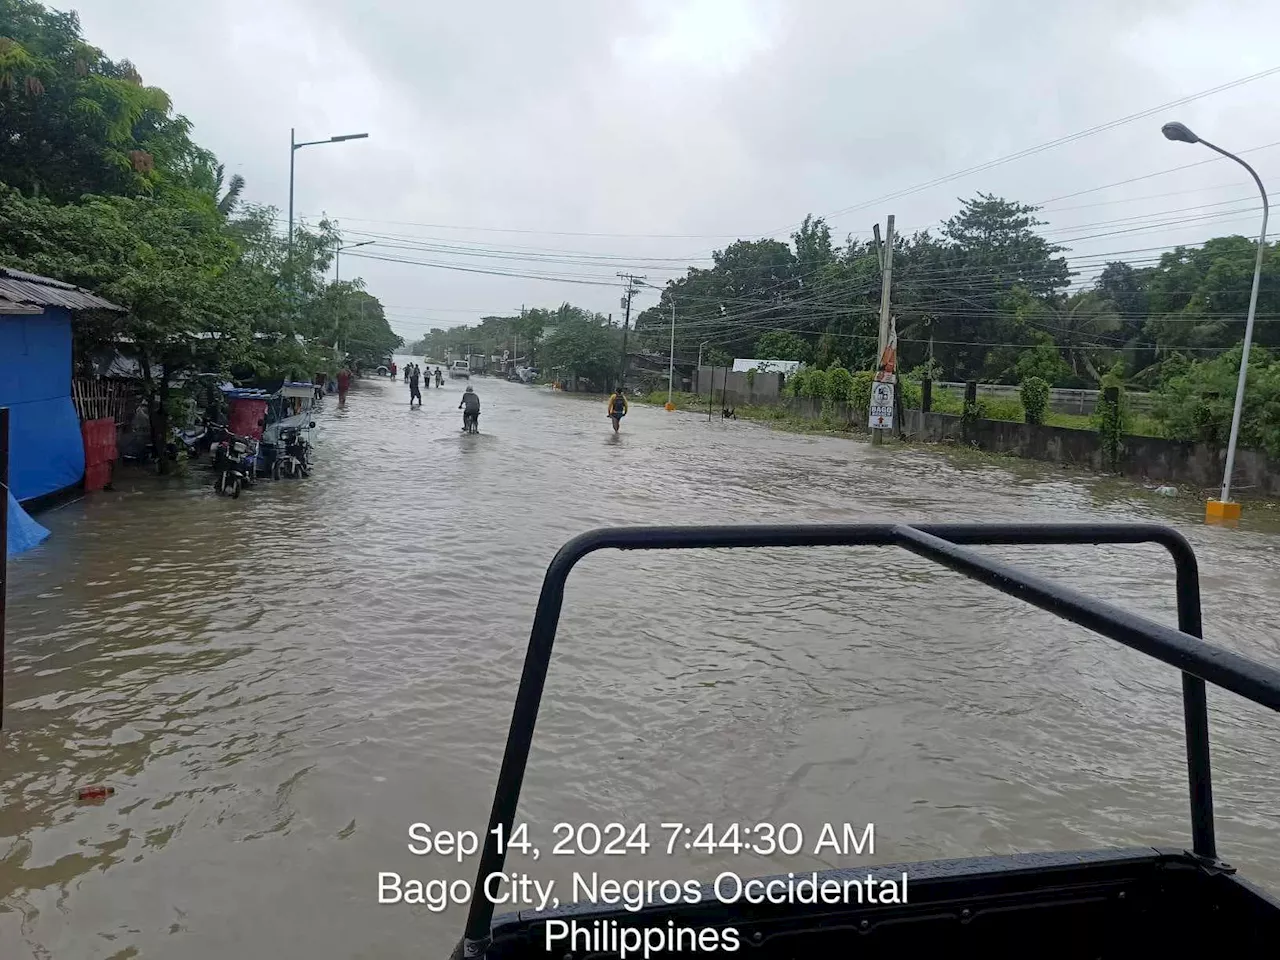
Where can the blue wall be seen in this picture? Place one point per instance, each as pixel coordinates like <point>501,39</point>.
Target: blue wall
<point>46,452</point>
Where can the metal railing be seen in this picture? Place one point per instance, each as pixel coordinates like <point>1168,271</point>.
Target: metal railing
<point>1061,399</point>
<point>1200,662</point>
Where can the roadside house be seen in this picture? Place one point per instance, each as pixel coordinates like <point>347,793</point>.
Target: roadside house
<point>46,449</point>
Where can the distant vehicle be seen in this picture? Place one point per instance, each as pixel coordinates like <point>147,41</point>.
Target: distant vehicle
<point>460,368</point>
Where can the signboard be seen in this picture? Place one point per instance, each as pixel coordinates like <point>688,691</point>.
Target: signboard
<point>881,413</point>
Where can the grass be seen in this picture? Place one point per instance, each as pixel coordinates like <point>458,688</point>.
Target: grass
<point>943,402</point>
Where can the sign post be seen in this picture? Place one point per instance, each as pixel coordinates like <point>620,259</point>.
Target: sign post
<point>880,413</point>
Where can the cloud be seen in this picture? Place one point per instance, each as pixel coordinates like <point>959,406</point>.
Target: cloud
<point>703,119</point>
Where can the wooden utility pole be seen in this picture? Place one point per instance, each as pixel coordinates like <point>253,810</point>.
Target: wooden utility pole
<point>632,280</point>
<point>886,282</point>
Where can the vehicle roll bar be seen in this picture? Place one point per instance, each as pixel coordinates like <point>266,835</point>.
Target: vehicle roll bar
<point>945,544</point>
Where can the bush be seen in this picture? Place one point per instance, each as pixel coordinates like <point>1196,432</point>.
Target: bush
<point>1035,399</point>
<point>909,390</point>
<point>860,392</point>
<point>1197,400</point>
<point>839,384</point>
<point>1043,362</point>
<point>815,384</point>
<point>1001,408</point>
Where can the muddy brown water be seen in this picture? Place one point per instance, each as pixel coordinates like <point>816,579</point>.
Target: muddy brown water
<point>277,687</point>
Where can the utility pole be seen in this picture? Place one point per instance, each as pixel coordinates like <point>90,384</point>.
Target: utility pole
<point>671,364</point>
<point>632,280</point>
<point>886,282</point>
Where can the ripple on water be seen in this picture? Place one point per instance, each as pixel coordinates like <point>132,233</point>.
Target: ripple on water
<point>278,686</point>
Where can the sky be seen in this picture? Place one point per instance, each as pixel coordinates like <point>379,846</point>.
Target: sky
<point>572,140</point>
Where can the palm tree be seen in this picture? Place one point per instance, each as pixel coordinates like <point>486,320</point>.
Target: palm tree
<point>1080,324</point>
<point>228,201</point>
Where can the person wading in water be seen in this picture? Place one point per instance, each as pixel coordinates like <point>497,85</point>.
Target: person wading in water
<point>414,392</point>
<point>617,407</point>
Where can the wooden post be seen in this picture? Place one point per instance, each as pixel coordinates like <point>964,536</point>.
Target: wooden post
<point>926,395</point>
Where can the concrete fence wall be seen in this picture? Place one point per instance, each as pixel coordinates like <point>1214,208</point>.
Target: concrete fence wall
<point>1141,458</point>
<point>763,388</point>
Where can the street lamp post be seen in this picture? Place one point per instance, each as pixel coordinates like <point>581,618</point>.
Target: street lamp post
<point>1223,508</point>
<point>294,147</point>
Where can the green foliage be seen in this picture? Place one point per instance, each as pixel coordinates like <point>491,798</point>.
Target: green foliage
<point>1043,362</point>
<point>1035,399</point>
<point>1112,420</point>
<point>839,385</point>
<point>77,122</point>
<point>1197,400</point>
<point>782,345</point>
<point>815,383</point>
<point>860,392</point>
<point>583,345</point>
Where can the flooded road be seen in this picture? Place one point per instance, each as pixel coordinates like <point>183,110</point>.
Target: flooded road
<point>278,686</point>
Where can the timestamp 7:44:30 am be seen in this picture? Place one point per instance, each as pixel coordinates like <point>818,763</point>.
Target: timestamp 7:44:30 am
<point>763,839</point>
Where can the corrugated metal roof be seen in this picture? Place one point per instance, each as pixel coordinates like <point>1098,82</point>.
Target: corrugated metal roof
<point>18,286</point>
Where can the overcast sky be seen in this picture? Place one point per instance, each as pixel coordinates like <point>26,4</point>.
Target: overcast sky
<point>645,133</point>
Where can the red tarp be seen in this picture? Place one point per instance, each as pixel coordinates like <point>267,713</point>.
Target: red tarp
<point>99,441</point>
<point>244,416</point>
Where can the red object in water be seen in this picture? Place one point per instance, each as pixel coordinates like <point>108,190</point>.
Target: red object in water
<point>99,791</point>
<point>244,416</point>
<point>97,476</point>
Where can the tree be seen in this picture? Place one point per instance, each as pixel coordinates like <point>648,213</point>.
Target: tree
<point>76,122</point>
<point>582,345</point>
<point>1199,297</point>
<point>1081,324</point>
<point>782,345</point>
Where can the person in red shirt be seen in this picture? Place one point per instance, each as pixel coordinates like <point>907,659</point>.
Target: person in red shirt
<point>344,384</point>
<point>393,369</point>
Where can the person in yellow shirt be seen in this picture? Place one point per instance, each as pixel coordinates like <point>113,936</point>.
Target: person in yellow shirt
<point>617,407</point>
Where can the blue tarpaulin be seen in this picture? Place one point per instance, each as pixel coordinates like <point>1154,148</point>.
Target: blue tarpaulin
<point>46,451</point>
<point>24,533</point>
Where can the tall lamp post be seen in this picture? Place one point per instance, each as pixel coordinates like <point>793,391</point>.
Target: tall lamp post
<point>294,147</point>
<point>1223,508</point>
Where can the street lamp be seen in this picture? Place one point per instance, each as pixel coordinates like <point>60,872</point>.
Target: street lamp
<point>1223,508</point>
<point>294,147</point>
<point>338,253</point>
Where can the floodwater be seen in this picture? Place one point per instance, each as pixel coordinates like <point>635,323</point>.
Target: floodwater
<point>278,686</point>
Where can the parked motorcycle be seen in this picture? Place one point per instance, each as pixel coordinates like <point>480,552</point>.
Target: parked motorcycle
<point>234,464</point>
<point>296,459</point>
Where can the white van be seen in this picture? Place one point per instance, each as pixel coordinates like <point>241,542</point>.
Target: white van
<point>460,368</point>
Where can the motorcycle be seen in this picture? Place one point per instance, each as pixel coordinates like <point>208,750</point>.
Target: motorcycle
<point>234,464</point>
<point>296,459</point>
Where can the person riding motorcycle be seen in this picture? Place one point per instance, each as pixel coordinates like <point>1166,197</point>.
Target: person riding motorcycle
<point>471,403</point>
<point>617,407</point>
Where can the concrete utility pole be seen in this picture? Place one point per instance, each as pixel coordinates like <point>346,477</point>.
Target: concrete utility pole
<point>632,280</point>
<point>671,363</point>
<point>886,283</point>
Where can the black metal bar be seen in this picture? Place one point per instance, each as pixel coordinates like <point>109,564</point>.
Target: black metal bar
<point>1195,710</point>
<point>939,542</point>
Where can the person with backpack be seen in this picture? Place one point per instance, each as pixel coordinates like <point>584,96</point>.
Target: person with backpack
<point>617,407</point>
